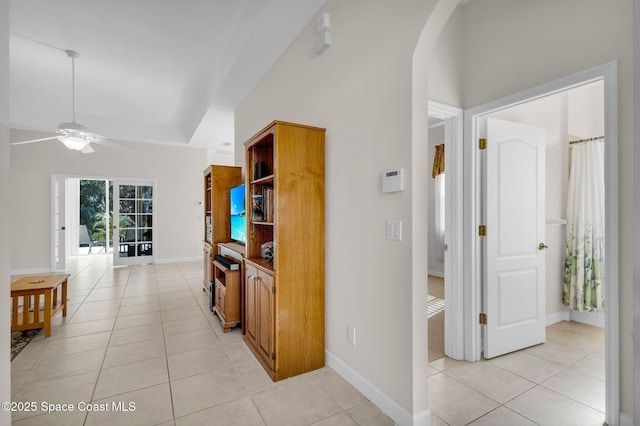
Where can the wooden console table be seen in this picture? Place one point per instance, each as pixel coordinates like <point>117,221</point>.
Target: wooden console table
<point>30,289</point>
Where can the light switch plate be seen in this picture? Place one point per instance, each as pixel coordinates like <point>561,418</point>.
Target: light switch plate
<point>351,335</point>
<point>394,230</point>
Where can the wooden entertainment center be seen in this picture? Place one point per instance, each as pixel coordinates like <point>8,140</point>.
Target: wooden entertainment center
<point>282,277</point>
<point>223,294</point>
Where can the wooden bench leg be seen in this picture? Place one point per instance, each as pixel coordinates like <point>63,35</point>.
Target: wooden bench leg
<point>64,298</point>
<point>14,312</point>
<point>47,313</point>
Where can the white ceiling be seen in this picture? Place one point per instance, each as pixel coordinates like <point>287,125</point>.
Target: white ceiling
<point>168,71</point>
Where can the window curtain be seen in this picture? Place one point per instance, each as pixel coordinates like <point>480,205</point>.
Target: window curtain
<point>439,200</point>
<point>584,247</point>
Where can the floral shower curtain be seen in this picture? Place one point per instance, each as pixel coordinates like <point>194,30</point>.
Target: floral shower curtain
<point>584,247</point>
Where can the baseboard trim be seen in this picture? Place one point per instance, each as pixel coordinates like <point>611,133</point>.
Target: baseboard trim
<point>589,318</point>
<point>557,317</point>
<point>31,271</point>
<point>388,406</point>
<point>179,259</point>
<point>436,273</point>
<point>626,419</point>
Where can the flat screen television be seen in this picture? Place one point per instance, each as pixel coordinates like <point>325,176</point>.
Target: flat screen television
<point>238,214</point>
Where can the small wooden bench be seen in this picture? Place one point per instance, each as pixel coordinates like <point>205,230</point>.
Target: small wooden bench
<point>28,290</point>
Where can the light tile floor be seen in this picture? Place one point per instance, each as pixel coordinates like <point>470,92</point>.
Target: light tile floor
<point>560,382</point>
<point>144,335</point>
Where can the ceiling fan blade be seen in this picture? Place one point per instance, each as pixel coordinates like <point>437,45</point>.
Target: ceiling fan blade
<point>87,149</point>
<point>34,140</point>
<point>114,144</point>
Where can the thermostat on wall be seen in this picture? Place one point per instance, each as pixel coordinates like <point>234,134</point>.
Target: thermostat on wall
<point>392,181</point>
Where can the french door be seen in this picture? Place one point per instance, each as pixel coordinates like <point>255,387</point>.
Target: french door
<point>133,236</point>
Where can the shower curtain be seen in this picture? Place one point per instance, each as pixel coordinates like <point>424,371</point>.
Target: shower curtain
<point>584,247</point>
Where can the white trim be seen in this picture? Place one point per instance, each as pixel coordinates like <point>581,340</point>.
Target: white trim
<point>608,74</point>
<point>61,182</point>
<point>557,317</point>
<point>179,259</point>
<point>438,274</point>
<point>387,405</point>
<point>31,271</point>
<point>626,419</point>
<point>589,318</point>
<point>636,215</point>
<point>453,265</point>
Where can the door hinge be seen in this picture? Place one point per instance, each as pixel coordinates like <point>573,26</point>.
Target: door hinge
<point>273,289</point>
<point>273,356</point>
<point>482,143</point>
<point>482,230</point>
<point>483,319</point>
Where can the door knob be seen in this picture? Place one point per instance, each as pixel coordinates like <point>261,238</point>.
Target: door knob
<point>542,246</point>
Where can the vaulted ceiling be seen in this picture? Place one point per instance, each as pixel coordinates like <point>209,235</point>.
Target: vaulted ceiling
<point>167,71</point>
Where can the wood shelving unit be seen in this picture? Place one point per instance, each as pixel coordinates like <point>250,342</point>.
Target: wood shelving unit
<point>217,227</point>
<point>284,296</point>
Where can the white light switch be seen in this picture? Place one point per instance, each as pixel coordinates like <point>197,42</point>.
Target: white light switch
<point>394,230</point>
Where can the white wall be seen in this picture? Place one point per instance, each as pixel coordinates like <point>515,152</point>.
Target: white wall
<point>446,63</point>
<point>220,160</point>
<point>5,279</point>
<point>178,175</point>
<point>517,45</point>
<point>5,244</point>
<point>360,90</point>
<point>586,111</point>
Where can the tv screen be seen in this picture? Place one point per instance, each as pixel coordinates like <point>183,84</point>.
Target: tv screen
<point>238,214</point>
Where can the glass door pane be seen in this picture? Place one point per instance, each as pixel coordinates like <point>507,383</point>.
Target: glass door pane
<point>133,223</point>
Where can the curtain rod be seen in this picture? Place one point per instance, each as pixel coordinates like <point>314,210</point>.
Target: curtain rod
<point>586,140</point>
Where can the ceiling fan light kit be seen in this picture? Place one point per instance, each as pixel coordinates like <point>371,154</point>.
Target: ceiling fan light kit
<point>73,136</point>
<point>74,143</point>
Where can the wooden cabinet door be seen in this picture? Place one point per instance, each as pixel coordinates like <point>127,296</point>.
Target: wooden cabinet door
<point>266,318</point>
<point>251,325</point>
<point>220,299</point>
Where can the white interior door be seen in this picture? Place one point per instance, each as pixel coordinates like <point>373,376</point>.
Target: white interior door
<point>59,224</point>
<point>514,274</point>
<point>133,236</point>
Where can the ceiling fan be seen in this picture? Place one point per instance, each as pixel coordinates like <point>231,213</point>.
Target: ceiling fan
<point>75,136</point>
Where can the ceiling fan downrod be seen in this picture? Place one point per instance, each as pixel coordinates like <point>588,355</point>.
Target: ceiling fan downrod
<point>73,55</point>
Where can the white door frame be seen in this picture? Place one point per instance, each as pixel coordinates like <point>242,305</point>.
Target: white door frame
<point>636,211</point>
<point>59,223</point>
<point>472,285</point>
<point>453,266</point>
